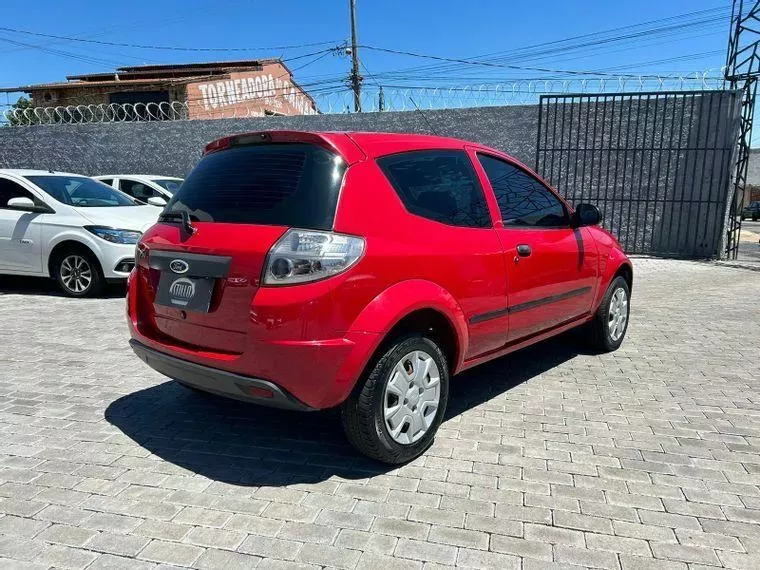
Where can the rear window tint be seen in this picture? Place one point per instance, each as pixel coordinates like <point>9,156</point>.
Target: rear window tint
<point>289,184</point>
<point>440,185</point>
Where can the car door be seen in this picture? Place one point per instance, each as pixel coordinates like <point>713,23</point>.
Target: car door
<point>138,189</point>
<point>551,267</point>
<point>20,232</point>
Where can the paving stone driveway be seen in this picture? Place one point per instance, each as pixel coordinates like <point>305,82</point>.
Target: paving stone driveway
<point>646,458</point>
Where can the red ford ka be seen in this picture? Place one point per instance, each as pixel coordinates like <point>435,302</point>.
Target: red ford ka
<point>312,270</point>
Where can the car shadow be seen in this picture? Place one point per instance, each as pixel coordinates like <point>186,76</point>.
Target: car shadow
<point>18,285</point>
<point>248,445</point>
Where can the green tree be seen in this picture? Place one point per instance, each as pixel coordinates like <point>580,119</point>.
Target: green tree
<point>15,120</point>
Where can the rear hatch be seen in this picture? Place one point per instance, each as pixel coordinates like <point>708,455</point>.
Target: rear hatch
<point>202,263</point>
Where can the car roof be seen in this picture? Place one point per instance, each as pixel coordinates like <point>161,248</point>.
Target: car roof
<point>366,137</point>
<point>144,176</point>
<point>355,145</point>
<point>24,172</point>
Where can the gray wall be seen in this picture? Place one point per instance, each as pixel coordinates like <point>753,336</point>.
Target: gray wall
<point>173,147</point>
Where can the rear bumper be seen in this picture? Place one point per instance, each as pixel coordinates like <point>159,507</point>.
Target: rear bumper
<point>218,381</point>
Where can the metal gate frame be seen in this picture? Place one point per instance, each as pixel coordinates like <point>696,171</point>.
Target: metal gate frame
<point>742,71</point>
<point>652,161</point>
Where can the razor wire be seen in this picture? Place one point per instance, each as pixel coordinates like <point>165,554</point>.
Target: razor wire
<point>374,98</point>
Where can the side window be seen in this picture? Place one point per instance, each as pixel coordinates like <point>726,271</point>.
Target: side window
<point>108,181</point>
<point>523,200</point>
<point>440,185</point>
<point>137,189</point>
<point>10,189</point>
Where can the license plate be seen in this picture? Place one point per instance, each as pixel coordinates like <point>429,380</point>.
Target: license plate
<point>187,293</point>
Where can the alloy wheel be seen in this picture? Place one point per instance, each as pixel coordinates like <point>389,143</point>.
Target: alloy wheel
<point>76,273</point>
<point>412,396</point>
<point>618,314</point>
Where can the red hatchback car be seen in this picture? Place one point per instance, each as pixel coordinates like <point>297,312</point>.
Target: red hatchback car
<point>362,270</point>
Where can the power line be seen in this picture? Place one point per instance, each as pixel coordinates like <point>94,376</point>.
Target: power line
<point>62,53</point>
<point>483,63</point>
<point>166,48</point>
<point>683,23</point>
<point>320,54</point>
<point>558,49</point>
<point>148,23</point>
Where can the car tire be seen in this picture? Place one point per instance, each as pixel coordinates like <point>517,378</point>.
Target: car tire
<point>608,328</point>
<point>411,377</point>
<point>78,272</point>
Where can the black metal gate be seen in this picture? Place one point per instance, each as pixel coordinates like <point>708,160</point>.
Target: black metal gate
<point>657,164</point>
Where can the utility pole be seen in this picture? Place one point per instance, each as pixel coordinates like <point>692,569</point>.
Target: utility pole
<point>355,77</point>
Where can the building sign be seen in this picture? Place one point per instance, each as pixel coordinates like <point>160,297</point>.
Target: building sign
<point>249,94</point>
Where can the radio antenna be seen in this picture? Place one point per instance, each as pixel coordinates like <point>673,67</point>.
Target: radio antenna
<point>424,116</point>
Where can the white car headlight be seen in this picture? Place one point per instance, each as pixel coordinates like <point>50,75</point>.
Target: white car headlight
<point>115,235</point>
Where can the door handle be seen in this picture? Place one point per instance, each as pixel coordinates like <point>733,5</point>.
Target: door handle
<point>524,250</point>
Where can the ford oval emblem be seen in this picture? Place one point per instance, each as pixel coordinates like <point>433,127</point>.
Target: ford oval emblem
<point>178,266</point>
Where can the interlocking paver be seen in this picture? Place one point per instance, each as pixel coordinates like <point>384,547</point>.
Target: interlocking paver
<point>67,535</point>
<point>170,553</point>
<point>552,457</point>
<point>117,544</point>
<point>213,559</point>
<point>59,556</point>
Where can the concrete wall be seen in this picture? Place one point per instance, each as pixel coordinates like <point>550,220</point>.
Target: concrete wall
<point>172,148</point>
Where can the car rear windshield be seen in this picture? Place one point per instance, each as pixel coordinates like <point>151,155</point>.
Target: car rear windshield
<point>287,184</point>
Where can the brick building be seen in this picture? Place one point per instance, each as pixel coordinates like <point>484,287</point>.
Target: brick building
<point>211,90</point>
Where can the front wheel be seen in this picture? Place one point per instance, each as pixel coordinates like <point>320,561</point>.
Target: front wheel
<point>607,329</point>
<point>78,273</point>
<point>393,415</point>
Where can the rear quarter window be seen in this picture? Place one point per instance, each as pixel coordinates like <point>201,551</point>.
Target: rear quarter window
<point>284,184</point>
<point>439,185</point>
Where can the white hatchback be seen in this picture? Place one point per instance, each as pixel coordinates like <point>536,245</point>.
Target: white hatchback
<point>72,228</point>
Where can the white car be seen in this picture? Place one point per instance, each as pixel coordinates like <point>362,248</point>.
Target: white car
<point>72,228</point>
<point>154,190</point>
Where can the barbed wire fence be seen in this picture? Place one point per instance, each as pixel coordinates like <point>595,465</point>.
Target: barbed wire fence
<point>374,99</point>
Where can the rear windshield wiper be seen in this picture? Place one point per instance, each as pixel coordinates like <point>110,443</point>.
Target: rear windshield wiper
<point>179,216</point>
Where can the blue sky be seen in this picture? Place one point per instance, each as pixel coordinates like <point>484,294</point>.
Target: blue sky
<point>435,27</point>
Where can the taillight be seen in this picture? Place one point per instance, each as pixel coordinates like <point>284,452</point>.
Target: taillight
<point>141,253</point>
<point>301,256</point>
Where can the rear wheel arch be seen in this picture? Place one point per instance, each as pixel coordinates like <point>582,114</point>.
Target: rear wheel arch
<point>415,303</point>
<point>626,272</point>
<point>429,322</point>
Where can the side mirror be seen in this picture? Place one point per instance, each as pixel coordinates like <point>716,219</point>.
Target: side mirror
<point>24,204</point>
<point>157,201</point>
<point>586,215</point>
